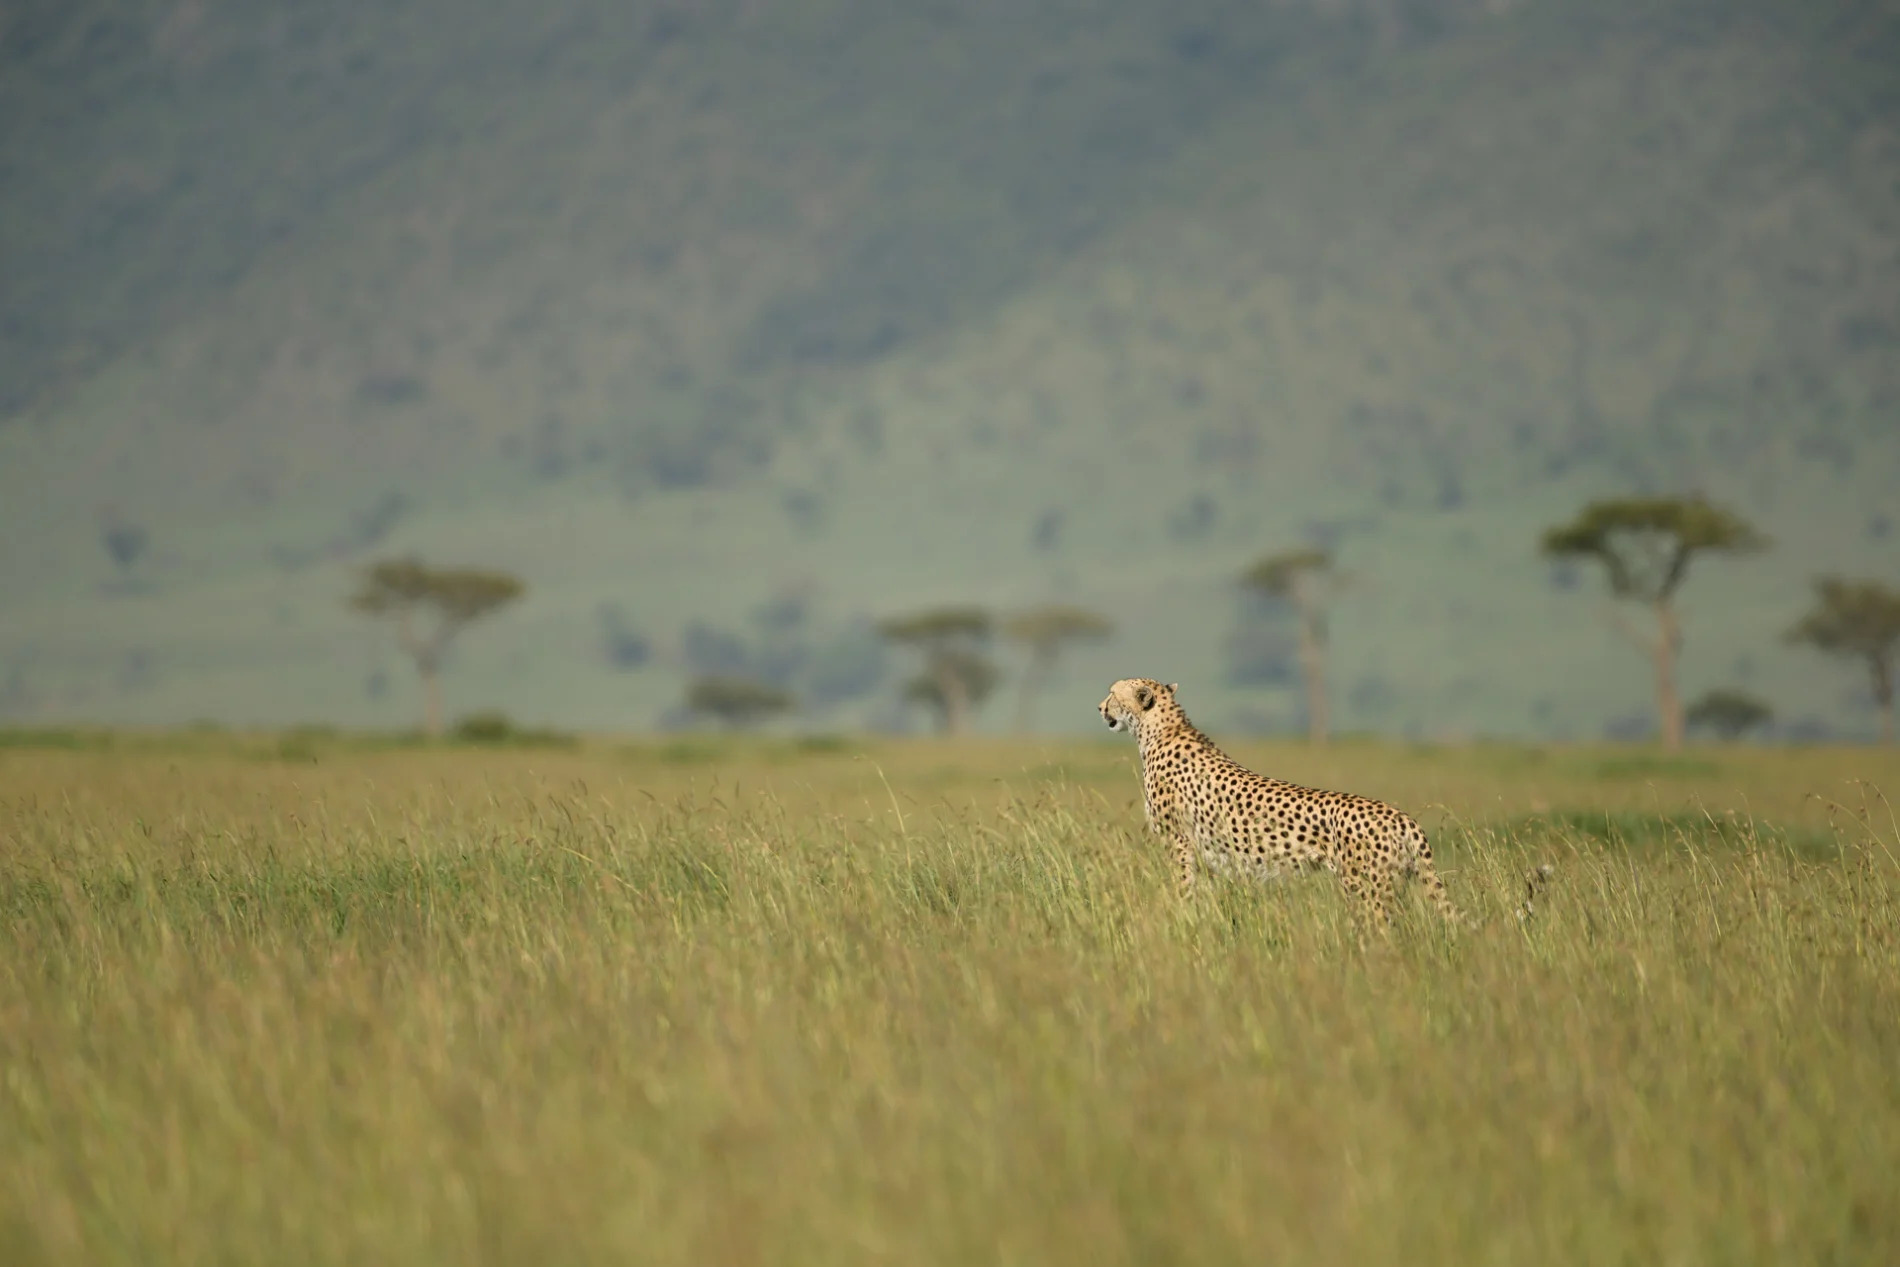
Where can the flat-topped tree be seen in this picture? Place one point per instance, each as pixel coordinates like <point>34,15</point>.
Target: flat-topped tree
<point>737,702</point>
<point>1045,631</point>
<point>975,677</point>
<point>1729,713</point>
<point>429,607</point>
<point>1859,620</point>
<point>1645,545</point>
<point>1306,579</point>
<point>956,675</point>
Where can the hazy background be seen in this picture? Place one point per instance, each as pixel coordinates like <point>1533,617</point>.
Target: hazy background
<point>732,326</point>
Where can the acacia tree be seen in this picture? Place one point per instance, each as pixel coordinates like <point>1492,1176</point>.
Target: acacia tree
<point>1729,713</point>
<point>737,702</point>
<point>957,675</point>
<point>1645,545</point>
<point>1859,620</point>
<point>975,677</point>
<point>1045,631</point>
<point>430,606</point>
<point>1306,579</point>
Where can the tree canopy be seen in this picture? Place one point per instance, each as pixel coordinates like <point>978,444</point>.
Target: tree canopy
<point>736,701</point>
<point>1645,543</point>
<point>458,595</point>
<point>1280,574</point>
<point>1729,713</point>
<point>939,625</point>
<point>1045,629</point>
<point>1859,620</point>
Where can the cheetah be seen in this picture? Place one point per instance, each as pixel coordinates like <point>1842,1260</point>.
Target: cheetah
<point>1205,802</point>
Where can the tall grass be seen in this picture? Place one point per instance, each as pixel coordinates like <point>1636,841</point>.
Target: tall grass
<point>444,1008</point>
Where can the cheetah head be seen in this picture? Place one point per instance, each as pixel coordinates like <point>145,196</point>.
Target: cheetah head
<point>1130,701</point>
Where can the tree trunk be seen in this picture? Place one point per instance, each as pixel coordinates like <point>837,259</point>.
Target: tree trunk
<point>428,658</point>
<point>429,670</point>
<point>956,700</point>
<point>1883,696</point>
<point>1313,670</point>
<point>1664,651</point>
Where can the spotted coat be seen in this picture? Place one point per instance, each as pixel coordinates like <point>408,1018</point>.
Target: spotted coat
<point>1209,805</point>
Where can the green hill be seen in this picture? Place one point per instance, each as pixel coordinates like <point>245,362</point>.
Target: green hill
<point>733,326</point>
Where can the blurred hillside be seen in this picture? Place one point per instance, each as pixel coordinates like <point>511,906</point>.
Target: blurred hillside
<point>731,326</point>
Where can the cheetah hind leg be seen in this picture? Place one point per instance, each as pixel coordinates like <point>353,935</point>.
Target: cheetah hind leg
<point>1371,899</point>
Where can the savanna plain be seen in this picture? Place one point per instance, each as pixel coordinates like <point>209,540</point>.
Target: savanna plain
<point>324,999</point>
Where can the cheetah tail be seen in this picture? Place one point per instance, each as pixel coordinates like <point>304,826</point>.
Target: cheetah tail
<point>1435,889</point>
<point>1421,866</point>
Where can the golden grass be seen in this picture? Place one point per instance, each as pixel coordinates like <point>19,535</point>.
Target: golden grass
<point>303,1002</point>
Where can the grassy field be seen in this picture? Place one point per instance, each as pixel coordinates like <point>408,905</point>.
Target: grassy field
<point>308,999</point>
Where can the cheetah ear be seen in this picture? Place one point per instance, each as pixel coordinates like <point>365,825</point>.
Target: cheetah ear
<point>1173,687</point>
<point>1145,698</point>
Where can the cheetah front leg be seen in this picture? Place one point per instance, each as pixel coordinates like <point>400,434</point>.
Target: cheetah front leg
<point>1183,849</point>
<point>1164,819</point>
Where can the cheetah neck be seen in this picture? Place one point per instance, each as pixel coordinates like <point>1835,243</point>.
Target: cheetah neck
<point>1172,727</point>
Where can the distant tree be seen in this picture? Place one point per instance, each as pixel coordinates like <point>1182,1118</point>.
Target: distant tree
<point>1645,545</point>
<point>957,675</point>
<point>1045,631</point>
<point>1728,713</point>
<point>1859,620</point>
<point>125,543</point>
<point>430,606</point>
<point>493,727</point>
<point>736,702</point>
<point>1306,579</point>
<point>974,678</point>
